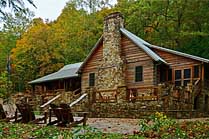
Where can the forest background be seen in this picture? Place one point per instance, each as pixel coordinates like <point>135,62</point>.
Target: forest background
<point>31,48</point>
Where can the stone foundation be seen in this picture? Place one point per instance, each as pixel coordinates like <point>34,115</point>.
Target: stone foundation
<point>137,110</point>
<point>124,110</point>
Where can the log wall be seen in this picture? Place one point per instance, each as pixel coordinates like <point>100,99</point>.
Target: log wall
<point>91,66</point>
<point>134,56</point>
<point>177,62</point>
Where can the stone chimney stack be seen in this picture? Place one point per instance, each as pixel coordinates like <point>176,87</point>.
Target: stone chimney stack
<point>112,38</point>
<point>110,72</point>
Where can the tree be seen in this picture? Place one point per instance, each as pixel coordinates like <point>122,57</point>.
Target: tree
<point>72,32</point>
<point>15,5</point>
<point>14,26</point>
<point>5,86</point>
<point>176,24</point>
<point>91,6</point>
<point>76,30</point>
<point>36,53</point>
<point>17,23</point>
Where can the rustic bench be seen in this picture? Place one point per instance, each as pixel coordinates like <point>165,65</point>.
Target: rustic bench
<point>28,116</point>
<point>64,116</point>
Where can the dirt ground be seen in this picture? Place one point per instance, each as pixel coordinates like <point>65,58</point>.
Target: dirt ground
<point>122,125</point>
<point>114,125</point>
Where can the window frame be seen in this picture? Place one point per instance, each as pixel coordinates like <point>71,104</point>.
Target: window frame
<point>91,80</point>
<point>140,74</point>
<point>199,70</point>
<point>178,79</point>
<point>183,79</point>
<point>187,78</point>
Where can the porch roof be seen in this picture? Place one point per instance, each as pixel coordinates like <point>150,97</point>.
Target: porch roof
<point>68,71</point>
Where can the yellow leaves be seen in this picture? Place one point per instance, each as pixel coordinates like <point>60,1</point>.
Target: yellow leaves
<point>36,52</point>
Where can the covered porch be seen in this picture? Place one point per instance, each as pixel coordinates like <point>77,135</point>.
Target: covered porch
<point>64,80</point>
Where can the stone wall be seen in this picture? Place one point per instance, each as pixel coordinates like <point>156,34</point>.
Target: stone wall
<point>141,109</point>
<point>123,110</point>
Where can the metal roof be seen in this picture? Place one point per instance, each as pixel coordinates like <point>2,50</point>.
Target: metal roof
<point>142,44</point>
<point>138,41</point>
<point>146,47</point>
<point>67,71</point>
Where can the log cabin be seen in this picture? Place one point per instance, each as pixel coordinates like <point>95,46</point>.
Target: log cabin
<point>125,76</point>
<point>127,73</point>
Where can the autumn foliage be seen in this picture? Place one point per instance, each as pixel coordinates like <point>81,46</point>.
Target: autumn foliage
<point>39,47</point>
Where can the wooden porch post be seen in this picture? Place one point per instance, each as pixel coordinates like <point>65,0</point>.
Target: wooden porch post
<point>202,86</point>
<point>202,72</point>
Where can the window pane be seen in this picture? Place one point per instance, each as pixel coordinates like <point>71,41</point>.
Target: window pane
<point>91,79</point>
<point>138,73</point>
<point>187,73</point>
<point>186,82</point>
<point>170,75</point>
<point>177,74</point>
<point>177,83</point>
<point>196,71</point>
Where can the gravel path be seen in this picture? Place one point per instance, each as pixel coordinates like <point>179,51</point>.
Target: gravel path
<point>122,125</point>
<point>114,125</point>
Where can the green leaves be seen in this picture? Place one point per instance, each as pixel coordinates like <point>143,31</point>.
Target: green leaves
<point>159,126</point>
<point>43,48</point>
<point>5,85</point>
<point>169,23</point>
<point>36,53</point>
<point>15,5</point>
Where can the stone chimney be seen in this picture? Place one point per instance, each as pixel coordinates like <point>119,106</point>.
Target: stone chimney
<point>111,70</point>
<point>112,38</point>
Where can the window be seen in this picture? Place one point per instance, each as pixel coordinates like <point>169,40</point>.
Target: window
<point>196,71</point>
<point>91,79</point>
<point>187,76</point>
<point>177,74</point>
<point>182,77</point>
<point>138,73</point>
<point>187,73</point>
<point>178,77</point>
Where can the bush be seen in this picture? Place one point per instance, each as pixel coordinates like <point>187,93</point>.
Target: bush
<point>5,86</point>
<point>160,126</point>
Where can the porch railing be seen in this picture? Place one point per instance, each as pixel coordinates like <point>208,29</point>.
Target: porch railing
<point>132,94</point>
<point>142,93</point>
<point>106,95</point>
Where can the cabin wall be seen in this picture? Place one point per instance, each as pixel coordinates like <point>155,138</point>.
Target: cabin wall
<point>177,62</point>
<point>91,66</point>
<point>134,56</point>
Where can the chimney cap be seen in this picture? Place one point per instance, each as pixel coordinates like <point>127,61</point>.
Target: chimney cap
<point>114,15</point>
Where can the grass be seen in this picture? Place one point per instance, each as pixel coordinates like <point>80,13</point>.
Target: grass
<point>155,126</point>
